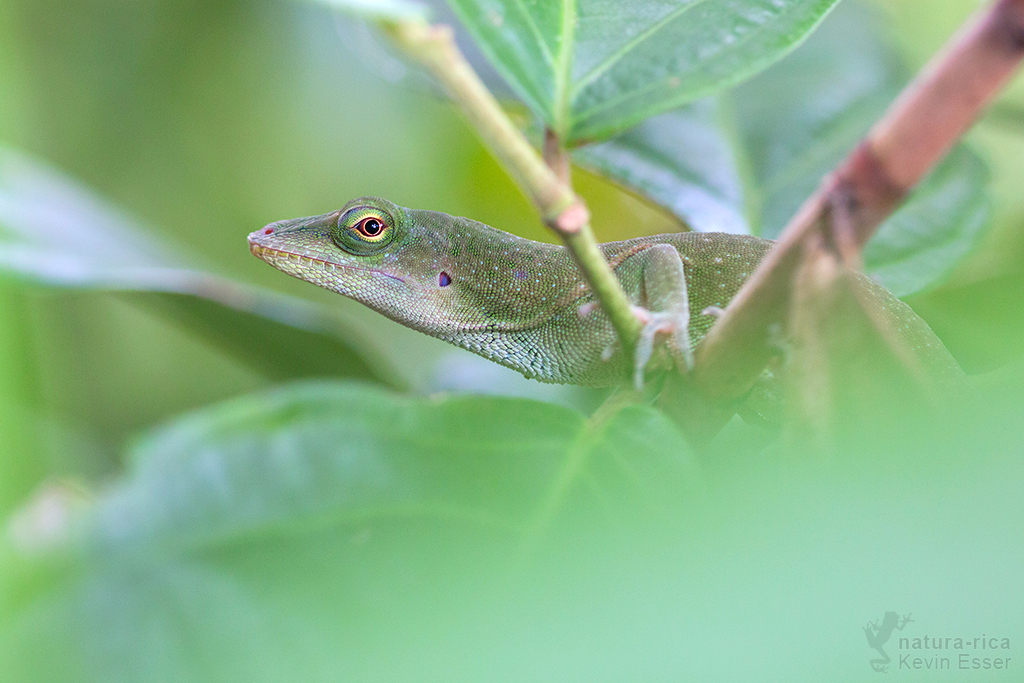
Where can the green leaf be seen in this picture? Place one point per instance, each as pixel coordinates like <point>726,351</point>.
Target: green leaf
<point>336,454</point>
<point>745,162</point>
<point>591,69</point>
<point>57,234</point>
<point>268,528</point>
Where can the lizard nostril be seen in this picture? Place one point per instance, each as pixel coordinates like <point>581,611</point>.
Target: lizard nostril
<point>268,231</point>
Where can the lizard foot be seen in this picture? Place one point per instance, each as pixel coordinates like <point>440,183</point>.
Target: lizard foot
<point>676,323</point>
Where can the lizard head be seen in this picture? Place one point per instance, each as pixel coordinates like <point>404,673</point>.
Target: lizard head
<point>371,250</point>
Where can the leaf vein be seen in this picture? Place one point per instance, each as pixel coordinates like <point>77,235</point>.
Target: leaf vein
<point>617,56</point>
<point>538,36</point>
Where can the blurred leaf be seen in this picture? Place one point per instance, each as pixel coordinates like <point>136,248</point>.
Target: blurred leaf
<point>381,9</point>
<point>374,499</point>
<point>336,532</point>
<point>982,323</point>
<point>280,336</point>
<point>919,246</point>
<point>746,162</point>
<point>592,69</point>
<point>801,117</point>
<point>55,233</point>
<point>682,161</point>
<point>19,462</point>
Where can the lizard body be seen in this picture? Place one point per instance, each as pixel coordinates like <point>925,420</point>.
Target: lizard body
<point>522,303</point>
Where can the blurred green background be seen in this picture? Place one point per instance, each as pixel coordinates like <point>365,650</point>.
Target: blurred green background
<point>206,119</point>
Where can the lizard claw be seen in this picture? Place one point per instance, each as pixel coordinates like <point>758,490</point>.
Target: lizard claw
<point>672,322</point>
<point>586,309</point>
<point>713,311</point>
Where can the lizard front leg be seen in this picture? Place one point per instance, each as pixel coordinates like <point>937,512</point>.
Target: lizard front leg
<point>666,310</point>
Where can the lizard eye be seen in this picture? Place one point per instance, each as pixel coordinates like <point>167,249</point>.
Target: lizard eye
<point>363,230</point>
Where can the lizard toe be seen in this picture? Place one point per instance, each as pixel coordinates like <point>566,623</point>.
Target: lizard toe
<point>674,323</point>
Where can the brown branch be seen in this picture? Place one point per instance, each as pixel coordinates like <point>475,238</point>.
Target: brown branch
<point>556,157</point>
<point>917,131</point>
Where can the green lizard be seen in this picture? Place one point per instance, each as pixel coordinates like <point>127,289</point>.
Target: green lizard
<point>523,304</point>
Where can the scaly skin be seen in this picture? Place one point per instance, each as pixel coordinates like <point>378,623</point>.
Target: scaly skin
<point>522,303</point>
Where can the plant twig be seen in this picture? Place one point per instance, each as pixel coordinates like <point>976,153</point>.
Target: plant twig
<point>917,131</point>
<point>556,157</point>
<point>434,47</point>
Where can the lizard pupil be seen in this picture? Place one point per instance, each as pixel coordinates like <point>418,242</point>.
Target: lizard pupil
<point>371,227</point>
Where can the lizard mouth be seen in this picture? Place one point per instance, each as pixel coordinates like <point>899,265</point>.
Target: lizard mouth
<point>273,256</point>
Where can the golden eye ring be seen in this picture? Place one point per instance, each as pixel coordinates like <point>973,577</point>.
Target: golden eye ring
<point>371,227</point>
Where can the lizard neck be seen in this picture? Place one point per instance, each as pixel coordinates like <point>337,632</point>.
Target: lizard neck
<point>497,281</point>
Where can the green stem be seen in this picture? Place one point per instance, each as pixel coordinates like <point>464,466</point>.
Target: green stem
<point>605,285</point>
<point>434,48</point>
<point>564,212</point>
